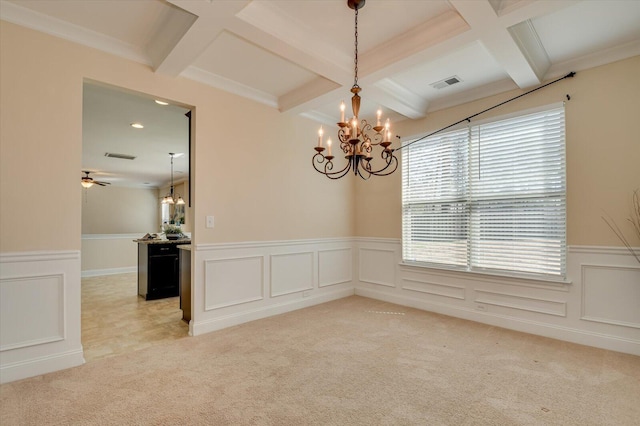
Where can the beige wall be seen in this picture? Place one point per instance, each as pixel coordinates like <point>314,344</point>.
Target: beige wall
<point>251,163</point>
<point>119,210</point>
<point>603,153</point>
<point>107,254</point>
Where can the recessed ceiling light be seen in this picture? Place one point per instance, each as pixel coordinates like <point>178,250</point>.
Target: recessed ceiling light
<point>137,125</point>
<point>159,102</point>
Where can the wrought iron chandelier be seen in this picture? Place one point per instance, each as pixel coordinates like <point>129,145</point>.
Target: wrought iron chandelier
<point>357,138</point>
<point>170,198</point>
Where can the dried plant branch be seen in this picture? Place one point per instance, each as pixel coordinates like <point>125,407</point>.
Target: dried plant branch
<point>635,222</point>
<point>635,214</point>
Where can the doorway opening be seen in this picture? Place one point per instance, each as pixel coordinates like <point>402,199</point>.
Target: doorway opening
<point>127,139</point>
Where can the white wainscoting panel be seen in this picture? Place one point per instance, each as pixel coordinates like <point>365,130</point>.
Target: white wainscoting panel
<point>434,288</point>
<point>36,298</point>
<point>525,303</point>
<point>334,266</point>
<point>39,313</point>
<point>241,282</point>
<point>291,273</point>
<point>377,266</point>
<point>598,305</point>
<point>611,295</point>
<point>233,281</point>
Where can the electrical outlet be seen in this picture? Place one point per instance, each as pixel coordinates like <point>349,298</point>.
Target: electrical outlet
<point>481,307</point>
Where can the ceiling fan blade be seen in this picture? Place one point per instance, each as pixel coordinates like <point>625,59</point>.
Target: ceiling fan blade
<point>88,181</point>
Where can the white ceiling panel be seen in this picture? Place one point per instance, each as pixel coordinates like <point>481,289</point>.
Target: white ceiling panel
<point>132,22</point>
<point>236,59</point>
<point>332,23</point>
<point>472,64</point>
<point>588,27</point>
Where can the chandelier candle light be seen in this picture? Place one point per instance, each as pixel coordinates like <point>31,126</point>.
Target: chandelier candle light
<point>357,137</point>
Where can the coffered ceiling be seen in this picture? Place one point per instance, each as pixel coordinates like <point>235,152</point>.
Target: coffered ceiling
<point>297,55</point>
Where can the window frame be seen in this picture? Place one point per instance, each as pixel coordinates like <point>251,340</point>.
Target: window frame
<point>470,267</point>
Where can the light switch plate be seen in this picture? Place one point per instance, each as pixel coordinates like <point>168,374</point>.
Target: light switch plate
<point>209,221</point>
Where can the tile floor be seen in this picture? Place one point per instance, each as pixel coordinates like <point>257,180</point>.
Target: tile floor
<point>115,320</point>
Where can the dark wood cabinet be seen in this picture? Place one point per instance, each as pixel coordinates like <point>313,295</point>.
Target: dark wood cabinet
<point>185,282</point>
<point>158,270</point>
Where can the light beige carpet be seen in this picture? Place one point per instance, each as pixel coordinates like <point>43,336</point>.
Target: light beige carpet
<point>354,361</point>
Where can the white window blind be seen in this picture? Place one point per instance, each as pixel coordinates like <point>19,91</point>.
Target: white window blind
<point>434,199</point>
<point>490,197</point>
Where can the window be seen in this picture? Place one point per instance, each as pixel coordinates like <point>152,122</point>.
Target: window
<point>489,198</point>
<point>165,213</point>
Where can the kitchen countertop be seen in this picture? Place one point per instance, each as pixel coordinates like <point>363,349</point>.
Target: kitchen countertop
<point>162,241</point>
<point>185,247</point>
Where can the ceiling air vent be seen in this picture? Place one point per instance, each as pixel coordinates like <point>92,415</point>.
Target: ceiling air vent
<point>449,81</point>
<point>122,156</point>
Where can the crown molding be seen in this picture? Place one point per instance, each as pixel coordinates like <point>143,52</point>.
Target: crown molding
<point>25,17</point>
<point>227,85</point>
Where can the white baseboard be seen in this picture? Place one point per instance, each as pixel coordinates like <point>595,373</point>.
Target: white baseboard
<point>43,365</point>
<point>221,322</point>
<point>111,271</point>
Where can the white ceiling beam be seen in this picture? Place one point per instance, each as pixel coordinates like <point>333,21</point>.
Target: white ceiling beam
<point>211,21</point>
<point>442,33</point>
<point>168,35</point>
<point>398,98</point>
<point>531,9</point>
<point>307,94</point>
<point>294,103</point>
<point>508,54</point>
<point>497,39</point>
<point>530,45</point>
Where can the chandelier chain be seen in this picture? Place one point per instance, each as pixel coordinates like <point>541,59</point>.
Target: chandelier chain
<point>355,79</point>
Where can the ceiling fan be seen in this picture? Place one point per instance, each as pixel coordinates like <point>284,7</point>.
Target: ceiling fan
<point>88,182</point>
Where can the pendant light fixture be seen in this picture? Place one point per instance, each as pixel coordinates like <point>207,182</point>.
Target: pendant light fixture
<point>357,138</point>
<point>170,198</point>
